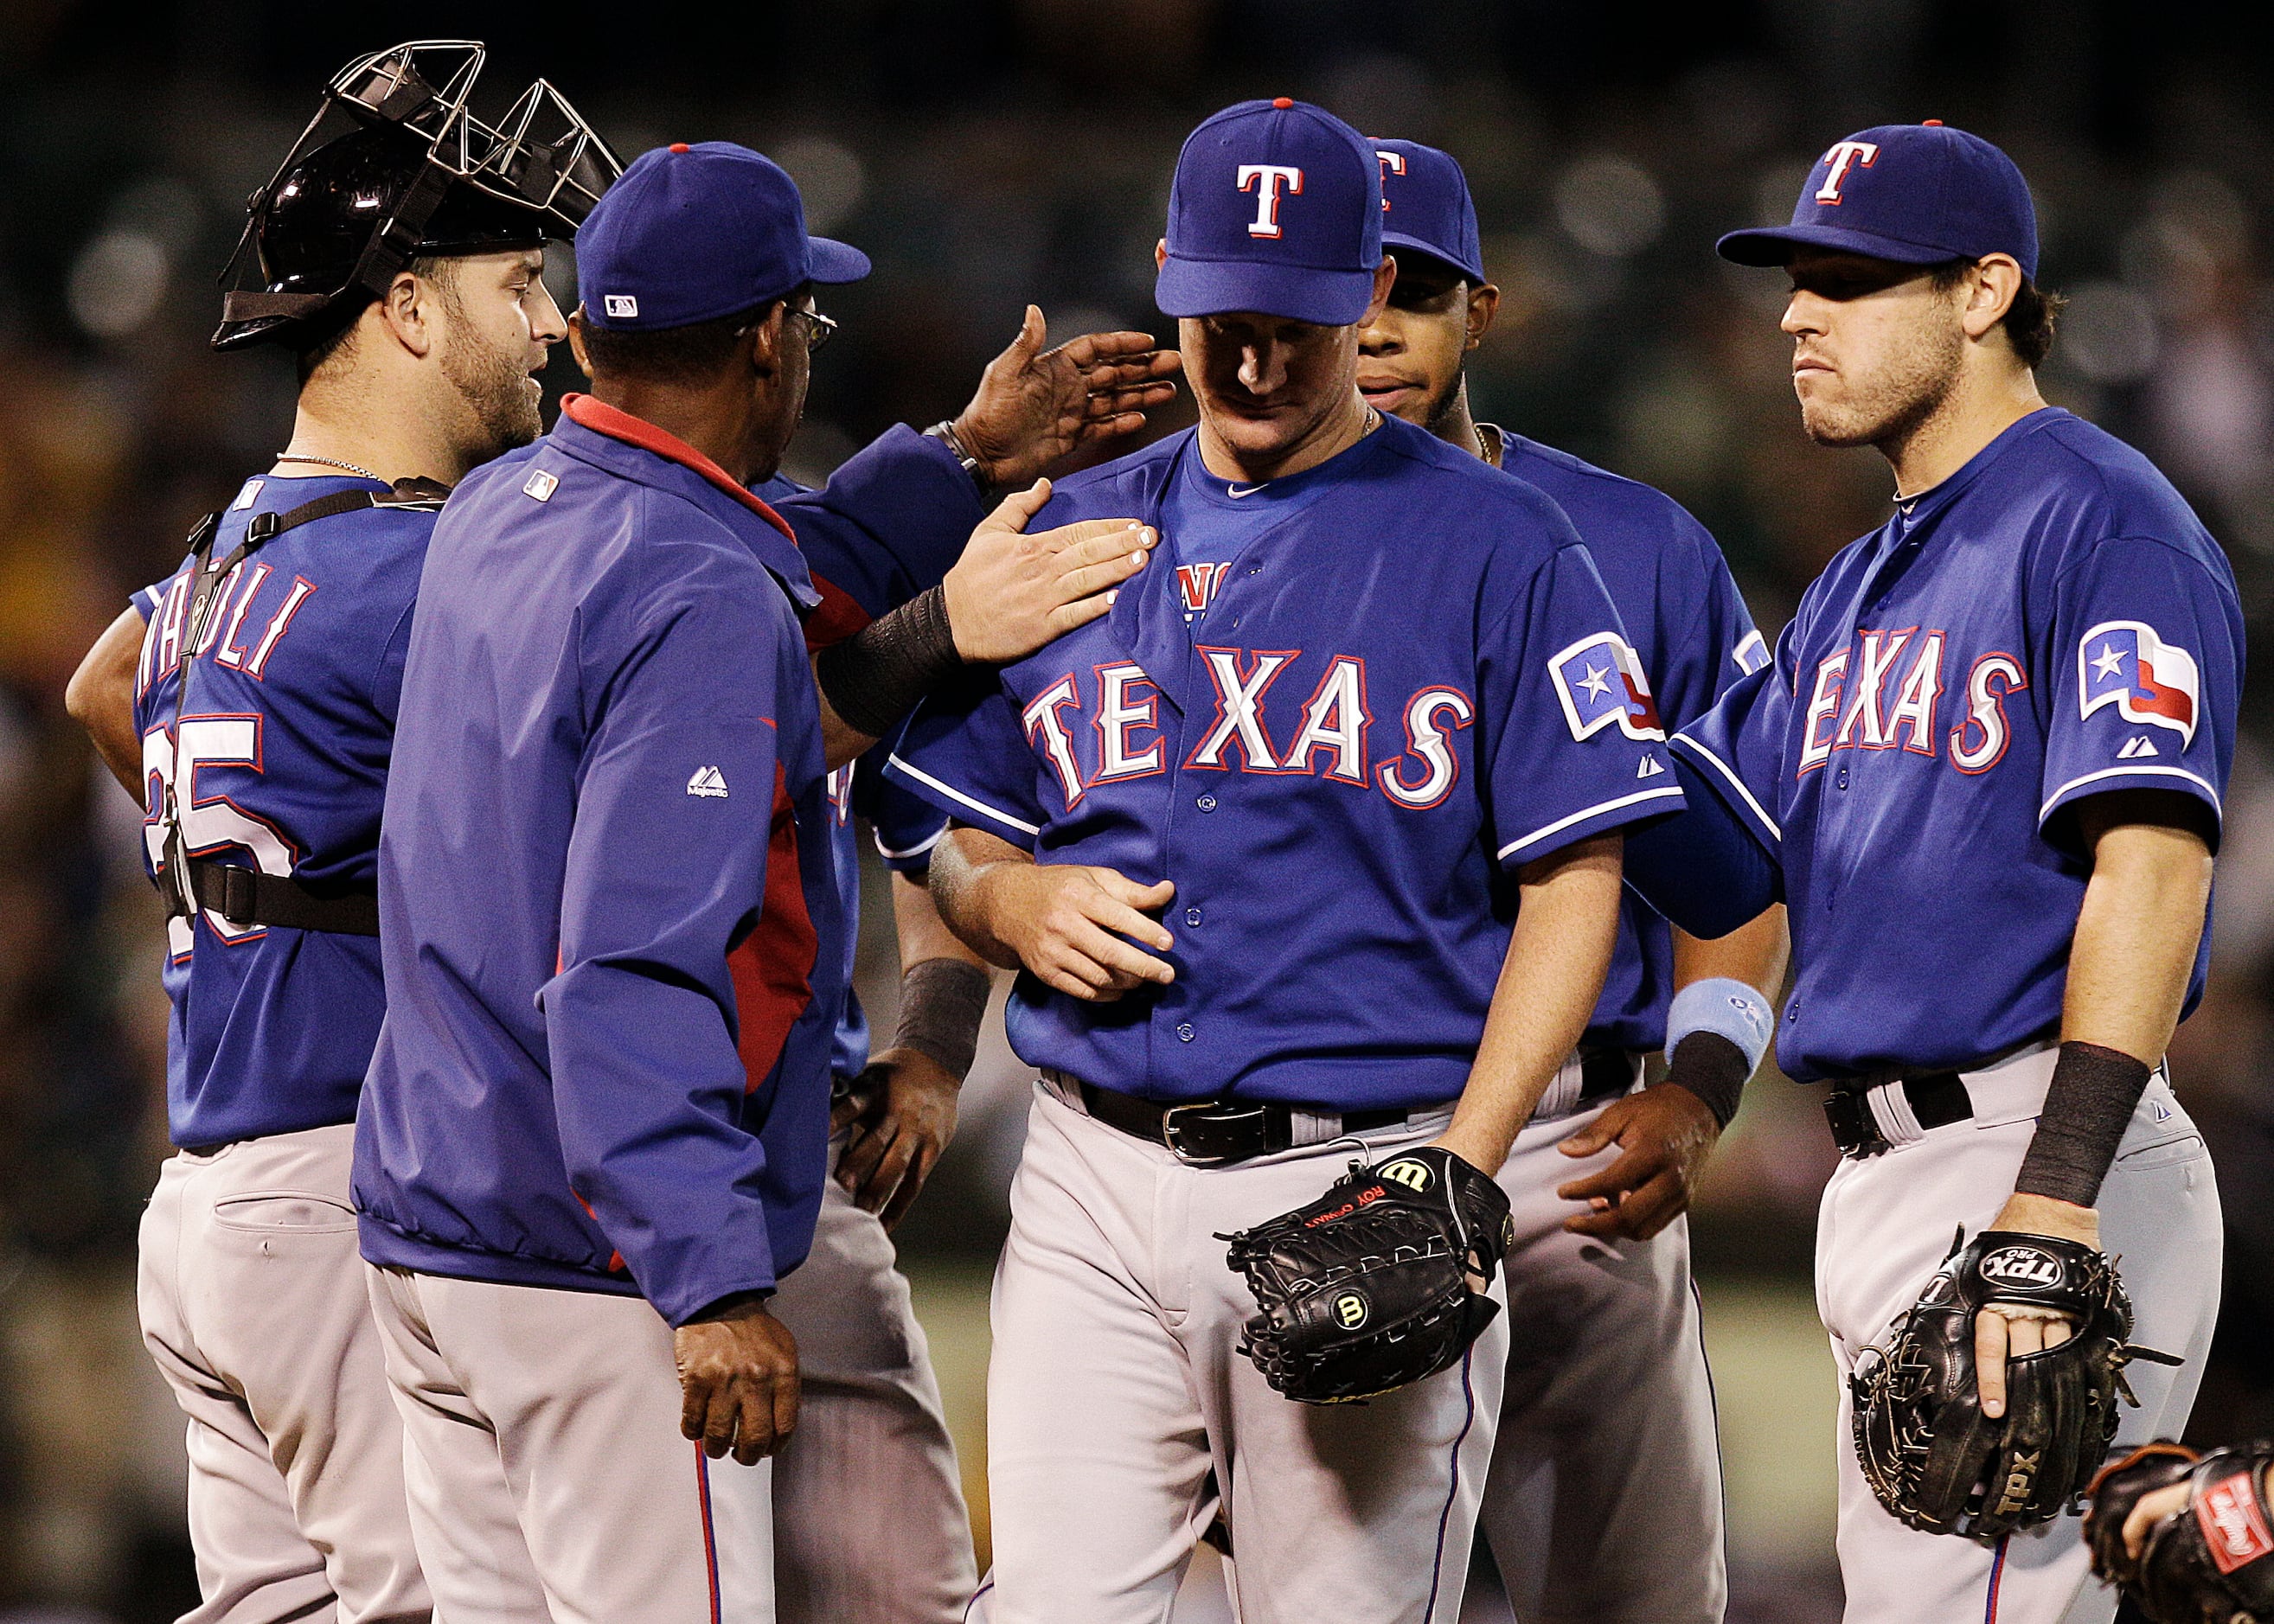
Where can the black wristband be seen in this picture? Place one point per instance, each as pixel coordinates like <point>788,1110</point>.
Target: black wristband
<point>875,677</point>
<point>2090,1101</point>
<point>1713,1069</point>
<point>942,1003</point>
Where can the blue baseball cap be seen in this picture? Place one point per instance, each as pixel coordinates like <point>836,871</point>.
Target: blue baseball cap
<point>691,234</point>
<point>1918,194</point>
<point>1426,207</point>
<point>1276,208</point>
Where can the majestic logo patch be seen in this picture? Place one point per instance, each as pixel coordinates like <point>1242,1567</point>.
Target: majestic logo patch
<point>540,484</point>
<point>1415,1175</point>
<point>2232,1525</point>
<point>2138,748</point>
<point>1601,682</point>
<point>1350,1310</point>
<point>2124,664</point>
<point>621,304</point>
<point>2023,1266</point>
<point>709,783</point>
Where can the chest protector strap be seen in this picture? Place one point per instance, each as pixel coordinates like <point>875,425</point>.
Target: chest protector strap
<point>246,897</point>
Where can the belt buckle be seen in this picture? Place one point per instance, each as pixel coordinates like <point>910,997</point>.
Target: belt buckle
<point>1173,1130</point>
<point>1854,1129</point>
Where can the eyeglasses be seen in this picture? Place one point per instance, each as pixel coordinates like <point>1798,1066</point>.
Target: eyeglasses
<point>818,328</point>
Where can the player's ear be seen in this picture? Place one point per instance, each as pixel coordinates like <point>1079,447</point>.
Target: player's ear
<point>1385,277</point>
<point>1484,305</point>
<point>1990,291</point>
<point>577,342</point>
<point>411,312</point>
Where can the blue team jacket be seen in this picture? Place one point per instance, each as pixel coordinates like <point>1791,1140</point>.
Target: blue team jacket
<point>607,773</point>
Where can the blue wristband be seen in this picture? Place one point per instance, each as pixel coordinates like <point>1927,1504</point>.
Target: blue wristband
<point>1727,1008</point>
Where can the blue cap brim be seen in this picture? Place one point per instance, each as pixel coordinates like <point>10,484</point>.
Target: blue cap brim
<point>1392,241</point>
<point>828,260</point>
<point>1293,292</point>
<point>1773,245</point>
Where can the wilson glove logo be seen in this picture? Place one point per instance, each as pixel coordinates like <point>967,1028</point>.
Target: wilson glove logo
<point>1415,1175</point>
<point>2023,1266</point>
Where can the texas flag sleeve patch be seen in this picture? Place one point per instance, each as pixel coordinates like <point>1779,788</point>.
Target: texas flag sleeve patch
<point>2124,664</point>
<point>1601,682</point>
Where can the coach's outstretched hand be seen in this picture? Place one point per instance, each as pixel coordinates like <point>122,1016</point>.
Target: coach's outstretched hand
<point>737,1380</point>
<point>1011,592</point>
<point>1038,409</point>
<point>1664,1134</point>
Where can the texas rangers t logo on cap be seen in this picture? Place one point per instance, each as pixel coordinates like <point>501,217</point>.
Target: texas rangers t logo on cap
<point>1843,155</point>
<point>2124,664</point>
<point>1601,681</point>
<point>1273,177</point>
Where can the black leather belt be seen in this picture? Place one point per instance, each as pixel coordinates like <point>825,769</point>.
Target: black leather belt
<point>1219,1132</point>
<point>1937,1099</point>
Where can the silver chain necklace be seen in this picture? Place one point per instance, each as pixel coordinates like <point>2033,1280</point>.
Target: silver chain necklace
<point>295,457</point>
<point>1484,446</point>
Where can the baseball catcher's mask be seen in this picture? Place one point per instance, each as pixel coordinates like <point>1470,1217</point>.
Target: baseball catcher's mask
<point>396,165</point>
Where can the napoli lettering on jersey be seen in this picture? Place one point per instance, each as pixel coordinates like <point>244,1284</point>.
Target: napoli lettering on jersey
<point>235,636</point>
<point>1105,724</point>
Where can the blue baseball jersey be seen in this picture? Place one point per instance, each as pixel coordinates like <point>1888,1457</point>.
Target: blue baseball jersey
<point>2050,623</point>
<point>1686,620</point>
<point>910,531</point>
<point>278,762</point>
<point>1404,690</point>
<point>608,774</point>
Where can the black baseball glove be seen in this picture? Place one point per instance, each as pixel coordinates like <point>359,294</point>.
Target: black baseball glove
<point>2210,1562</point>
<point>1367,1289</point>
<point>1929,1452</point>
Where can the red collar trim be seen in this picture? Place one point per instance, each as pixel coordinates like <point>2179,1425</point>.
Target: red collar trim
<point>588,411</point>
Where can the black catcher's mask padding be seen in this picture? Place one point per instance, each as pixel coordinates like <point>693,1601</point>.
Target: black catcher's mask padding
<point>395,166</point>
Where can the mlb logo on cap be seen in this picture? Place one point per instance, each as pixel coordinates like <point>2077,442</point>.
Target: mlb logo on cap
<point>1276,208</point>
<point>621,306</point>
<point>1601,682</point>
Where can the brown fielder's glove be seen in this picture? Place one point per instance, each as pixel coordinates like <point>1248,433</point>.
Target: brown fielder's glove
<point>1929,1452</point>
<point>2210,1562</point>
<point>1367,1289</point>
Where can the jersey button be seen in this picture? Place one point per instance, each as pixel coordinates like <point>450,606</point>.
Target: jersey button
<point>1191,916</point>
<point>1843,777</point>
<point>1205,803</point>
<point>1185,1033</point>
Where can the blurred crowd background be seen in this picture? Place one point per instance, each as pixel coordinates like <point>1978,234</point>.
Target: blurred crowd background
<point>990,154</point>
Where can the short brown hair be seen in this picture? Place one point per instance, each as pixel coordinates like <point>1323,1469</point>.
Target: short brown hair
<point>2029,320</point>
<point>693,354</point>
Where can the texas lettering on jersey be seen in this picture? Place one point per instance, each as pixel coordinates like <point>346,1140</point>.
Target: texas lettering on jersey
<point>1109,728</point>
